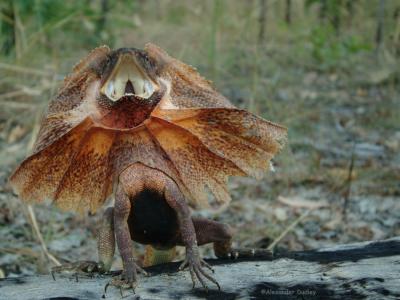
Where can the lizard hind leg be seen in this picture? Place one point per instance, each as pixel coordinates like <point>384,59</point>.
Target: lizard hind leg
<point>221,235</point>
<point>106,240</point>
<point>106,248</point>
<point>209,231</point>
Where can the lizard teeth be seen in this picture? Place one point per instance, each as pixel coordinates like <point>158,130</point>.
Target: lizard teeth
<point>127,71</point>
<point>110,89</point>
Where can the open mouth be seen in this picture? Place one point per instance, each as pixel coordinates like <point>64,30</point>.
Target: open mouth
<point>128,79</point>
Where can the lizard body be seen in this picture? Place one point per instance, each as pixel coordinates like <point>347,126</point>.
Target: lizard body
<point>150,209</point>
<point>149,129</point>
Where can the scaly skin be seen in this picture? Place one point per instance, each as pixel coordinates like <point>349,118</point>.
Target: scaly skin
<point>138,179</point>
<point>154,128</point>
<point>164,225</point>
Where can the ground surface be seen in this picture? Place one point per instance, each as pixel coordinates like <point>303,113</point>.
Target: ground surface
<point>341,113</point>
<point>357,271</point>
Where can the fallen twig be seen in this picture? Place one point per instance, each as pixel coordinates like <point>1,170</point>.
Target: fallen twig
<point>287,230</point>
<point>40,237</point>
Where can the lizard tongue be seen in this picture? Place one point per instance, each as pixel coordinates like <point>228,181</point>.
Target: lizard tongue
<point>129,89</point>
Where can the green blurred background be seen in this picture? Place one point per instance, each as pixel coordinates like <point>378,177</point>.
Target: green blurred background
<point>329,70</point>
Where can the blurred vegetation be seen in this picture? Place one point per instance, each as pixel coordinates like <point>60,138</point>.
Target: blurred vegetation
<point>329,70</point>
<point>235,43</point>
<point>219,36</point>
<point>331,29</point>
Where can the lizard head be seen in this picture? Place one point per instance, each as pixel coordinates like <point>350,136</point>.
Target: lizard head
<point>128,89</point>
<point>121,88</point>
<point>128,72</point>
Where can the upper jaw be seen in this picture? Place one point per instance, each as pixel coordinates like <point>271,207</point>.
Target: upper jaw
<point>128,79</point>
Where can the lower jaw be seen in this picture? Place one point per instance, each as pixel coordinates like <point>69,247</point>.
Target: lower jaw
<point>126,113</point>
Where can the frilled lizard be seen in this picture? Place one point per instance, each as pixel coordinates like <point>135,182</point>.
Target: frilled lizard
<point>148,128</point>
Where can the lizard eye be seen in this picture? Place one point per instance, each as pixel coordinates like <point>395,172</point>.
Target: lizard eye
<point>128,78</point>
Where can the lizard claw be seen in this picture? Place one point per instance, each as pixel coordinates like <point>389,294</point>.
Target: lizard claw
<point>88,268</point>
<point>122,283</point>
<point>128,279</point>
<point>195,265</point>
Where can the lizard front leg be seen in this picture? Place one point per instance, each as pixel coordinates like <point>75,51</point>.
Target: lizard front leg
<point>122,208</point>
<point>188,235</point>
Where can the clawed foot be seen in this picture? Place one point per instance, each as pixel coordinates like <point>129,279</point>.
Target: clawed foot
<point>195,265</point>
<point>128,278</point>
<point>88,268</point>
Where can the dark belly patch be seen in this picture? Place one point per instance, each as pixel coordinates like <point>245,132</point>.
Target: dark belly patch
<point>152,220</point>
